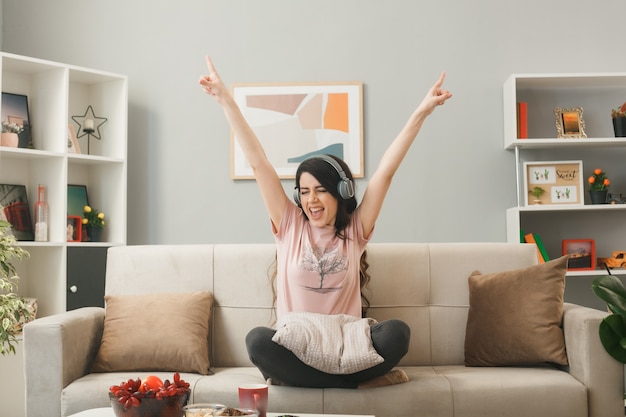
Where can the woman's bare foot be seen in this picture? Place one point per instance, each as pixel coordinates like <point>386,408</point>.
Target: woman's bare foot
<point>393,377</point>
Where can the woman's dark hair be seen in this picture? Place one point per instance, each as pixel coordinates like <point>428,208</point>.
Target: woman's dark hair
<point>329,178</point>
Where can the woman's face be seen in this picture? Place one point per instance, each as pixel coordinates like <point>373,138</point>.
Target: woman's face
<point>319,205</point>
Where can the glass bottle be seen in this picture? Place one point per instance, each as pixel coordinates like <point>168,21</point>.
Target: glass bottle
<point>41,216</point>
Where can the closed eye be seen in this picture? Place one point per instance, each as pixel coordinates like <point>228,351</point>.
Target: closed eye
<point>318,190</point>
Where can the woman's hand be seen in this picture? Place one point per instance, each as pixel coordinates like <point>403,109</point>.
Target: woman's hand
<point>436,96</point>
<point>212,83</point>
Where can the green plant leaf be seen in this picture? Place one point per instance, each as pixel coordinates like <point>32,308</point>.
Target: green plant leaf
<point>11,304</point>
<point>611,290</point>
<point>612,335</point>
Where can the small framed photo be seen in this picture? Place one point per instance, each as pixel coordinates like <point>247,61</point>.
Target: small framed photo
<point>74,230</point>
<point>72,142</point>
<point>582,254</point>
<point>15,110</point>
<point>557,182</point>
<point>569,123</point>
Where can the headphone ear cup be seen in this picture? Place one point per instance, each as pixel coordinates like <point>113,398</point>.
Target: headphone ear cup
<point>296,197</point>
<point>346,188</point>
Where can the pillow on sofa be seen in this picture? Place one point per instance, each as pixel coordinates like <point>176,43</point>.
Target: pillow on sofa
<point>515,316</point>
<point>156,332</point>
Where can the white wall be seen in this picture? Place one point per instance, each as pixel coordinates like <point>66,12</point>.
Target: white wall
<point>457,180</point>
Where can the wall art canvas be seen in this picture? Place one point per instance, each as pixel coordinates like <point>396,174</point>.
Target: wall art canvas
<point>15,210</point>
<point>296,121</point>
<point>76,199</point>
<point>15,110</point>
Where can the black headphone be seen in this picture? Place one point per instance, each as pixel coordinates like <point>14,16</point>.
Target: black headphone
<point>345,186</point>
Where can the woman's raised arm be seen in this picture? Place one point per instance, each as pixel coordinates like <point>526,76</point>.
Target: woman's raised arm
<point>381,179</point>
<point>264,173</point>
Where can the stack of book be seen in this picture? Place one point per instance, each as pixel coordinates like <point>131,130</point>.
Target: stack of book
<point>542,254</point>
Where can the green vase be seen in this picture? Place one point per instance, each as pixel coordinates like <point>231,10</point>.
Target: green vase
<point>598,197</point>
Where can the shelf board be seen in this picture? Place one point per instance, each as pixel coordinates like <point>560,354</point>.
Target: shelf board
<point>91,159</point>
<point>542,143</point>
<point>569,207</point>
<point>569,80</point>
<point>26,65</point>
<point>33,244</point>
<point>24,153</point>
<point>93,244</point>
<point>595,273</point>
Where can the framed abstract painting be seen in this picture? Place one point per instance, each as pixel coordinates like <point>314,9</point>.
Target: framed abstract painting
<point>296,121</point>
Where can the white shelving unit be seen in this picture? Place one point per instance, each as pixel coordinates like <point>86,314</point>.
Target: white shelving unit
<point>597,94</point>
<point>56,92</point>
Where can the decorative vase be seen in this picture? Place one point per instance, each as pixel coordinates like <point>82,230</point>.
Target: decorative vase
<point>94,234</point>
<point>598,197</point>
<point>9,139</point>
<point>619,127</point>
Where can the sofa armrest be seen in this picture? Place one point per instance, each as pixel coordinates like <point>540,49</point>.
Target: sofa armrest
<point>58,349</point>
<point>590,363</point>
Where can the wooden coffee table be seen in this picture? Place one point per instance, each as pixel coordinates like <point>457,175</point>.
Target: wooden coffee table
<point>108,412</point>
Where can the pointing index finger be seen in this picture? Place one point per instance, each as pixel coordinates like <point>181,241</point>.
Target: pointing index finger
<point>209,64</point>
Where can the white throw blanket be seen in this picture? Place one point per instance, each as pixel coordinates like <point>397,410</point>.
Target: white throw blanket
<point>335,344</point>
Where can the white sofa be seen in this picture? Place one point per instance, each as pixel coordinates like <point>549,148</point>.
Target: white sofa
<point>426,285</point>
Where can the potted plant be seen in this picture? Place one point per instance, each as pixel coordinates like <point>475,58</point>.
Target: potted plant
<point>610,289</point>
<point>93,223</point>
<point>598,186</point>
<point>537,192</point>
<point>619,121</point>
<point>13,309</point>
<point>10,131</point>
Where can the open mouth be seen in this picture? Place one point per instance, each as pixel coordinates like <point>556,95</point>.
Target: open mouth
<point>316,213</point>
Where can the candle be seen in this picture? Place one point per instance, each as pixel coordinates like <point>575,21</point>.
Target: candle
<point>88,124</point>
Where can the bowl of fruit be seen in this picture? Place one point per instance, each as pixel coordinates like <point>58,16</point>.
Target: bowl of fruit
<point>151,397</point>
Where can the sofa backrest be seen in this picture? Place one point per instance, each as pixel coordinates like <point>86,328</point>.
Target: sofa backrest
<point>423,284</point>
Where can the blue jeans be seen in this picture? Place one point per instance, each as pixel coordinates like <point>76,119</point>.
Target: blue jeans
<point>390,338</point>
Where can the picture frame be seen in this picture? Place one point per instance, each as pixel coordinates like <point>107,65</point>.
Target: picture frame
<point>582,254</point>
<point>74,229</point>
<point>15,109</point>
<point>294,121</point>
<point>569,122</point>
<point>561,182</point>
<point>72,141</point>
<point>16,210</point>
<point>76,199</point>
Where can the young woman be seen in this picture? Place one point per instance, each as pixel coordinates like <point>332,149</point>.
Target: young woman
<point>321,237</point>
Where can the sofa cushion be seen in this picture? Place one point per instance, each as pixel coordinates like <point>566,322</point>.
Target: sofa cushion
<point>332,343</point>
<point>130,342</point>
<point>515,316</point>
